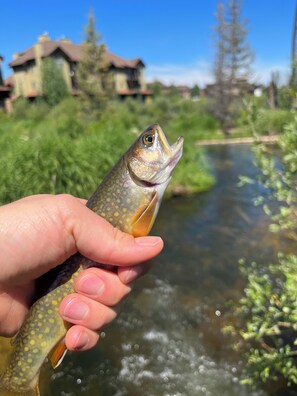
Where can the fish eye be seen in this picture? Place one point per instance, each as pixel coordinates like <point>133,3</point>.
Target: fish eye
<point>148,140</point>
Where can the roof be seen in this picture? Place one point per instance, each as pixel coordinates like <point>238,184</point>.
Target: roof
<point>73,52</point>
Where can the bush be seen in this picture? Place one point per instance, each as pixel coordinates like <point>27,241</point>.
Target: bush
<point>270,303</point>
<point>51,163</point>
<point>269,307</point>
<point>65,118</point>
<point>286,97</point>
<point>192,175</point>
<point>272,121</point>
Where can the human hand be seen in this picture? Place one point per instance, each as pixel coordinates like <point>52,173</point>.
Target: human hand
<point>38,233</point>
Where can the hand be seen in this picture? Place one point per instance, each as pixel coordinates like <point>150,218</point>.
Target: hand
<point>38,233</point>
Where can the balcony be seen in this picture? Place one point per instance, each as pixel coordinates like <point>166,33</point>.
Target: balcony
<point>133,84</point>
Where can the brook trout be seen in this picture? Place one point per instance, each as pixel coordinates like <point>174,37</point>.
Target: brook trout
<point>129,198</point>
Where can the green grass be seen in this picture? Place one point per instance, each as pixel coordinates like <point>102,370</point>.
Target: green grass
<point>55,150</point>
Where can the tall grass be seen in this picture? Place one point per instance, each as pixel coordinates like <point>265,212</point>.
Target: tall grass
<point>55,150</point>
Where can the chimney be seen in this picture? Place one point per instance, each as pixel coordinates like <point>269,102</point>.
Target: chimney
<point>16,55</point>
<point>44,37</point>
<point>65,40</point>
<point>38,51</point>
<point>1,78</point>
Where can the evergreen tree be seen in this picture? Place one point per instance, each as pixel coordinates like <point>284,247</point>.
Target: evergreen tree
<point>156,88</point>
<point>93,76</point>
<point>195,91</point>
<point>54,86</point>
<point>232,62</point>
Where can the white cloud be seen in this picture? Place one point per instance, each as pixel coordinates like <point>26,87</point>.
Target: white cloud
<point>263,70</point>
<point>201,73</point>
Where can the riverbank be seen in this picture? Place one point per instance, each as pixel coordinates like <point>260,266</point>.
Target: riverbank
<point>242,140</point>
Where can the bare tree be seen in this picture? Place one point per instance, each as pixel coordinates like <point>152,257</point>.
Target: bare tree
<point>232,62</point>
<point>272,90</point>
<point>293,80</point>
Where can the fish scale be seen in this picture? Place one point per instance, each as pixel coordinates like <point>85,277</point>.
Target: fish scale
<point>129,198</point>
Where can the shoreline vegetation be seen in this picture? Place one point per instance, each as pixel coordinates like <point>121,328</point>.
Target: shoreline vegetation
<point>60,150</point>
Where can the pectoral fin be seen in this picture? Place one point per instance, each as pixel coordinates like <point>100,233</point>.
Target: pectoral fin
<point>144,219</point>
<point>57,354</point>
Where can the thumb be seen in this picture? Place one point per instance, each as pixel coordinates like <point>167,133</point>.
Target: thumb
<point>98,240</point>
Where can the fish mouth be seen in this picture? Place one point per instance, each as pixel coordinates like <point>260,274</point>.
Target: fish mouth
<point>172,152</point>
<point>177,152</point>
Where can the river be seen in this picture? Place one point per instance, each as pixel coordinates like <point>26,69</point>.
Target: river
<point>167,340</point>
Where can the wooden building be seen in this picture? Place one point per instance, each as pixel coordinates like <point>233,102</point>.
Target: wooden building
<point>128,75</point>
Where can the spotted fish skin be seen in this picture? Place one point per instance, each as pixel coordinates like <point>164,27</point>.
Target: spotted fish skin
<point>118,199</point>
<point>39,334</point>
<point>129,198</point>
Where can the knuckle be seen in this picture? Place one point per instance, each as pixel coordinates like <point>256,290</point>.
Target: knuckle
<point>119,241</point>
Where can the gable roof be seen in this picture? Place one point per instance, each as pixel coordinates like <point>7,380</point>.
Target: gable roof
<point>73,52</point>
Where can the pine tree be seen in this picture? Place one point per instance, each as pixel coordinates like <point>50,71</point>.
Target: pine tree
<point>232,62</point>
<point>93,76</point>
<point>195,91</point>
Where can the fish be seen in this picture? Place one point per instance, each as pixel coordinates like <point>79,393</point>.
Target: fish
<point>129,198</point>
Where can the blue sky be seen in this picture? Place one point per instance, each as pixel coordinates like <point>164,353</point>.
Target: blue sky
<point>173,37</point>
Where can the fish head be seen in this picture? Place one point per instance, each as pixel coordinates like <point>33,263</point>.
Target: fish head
<point>151,159</point>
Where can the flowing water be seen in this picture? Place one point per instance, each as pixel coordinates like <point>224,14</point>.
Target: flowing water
<point>168,340</point>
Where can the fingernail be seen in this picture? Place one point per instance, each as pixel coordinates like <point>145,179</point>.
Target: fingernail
<point>148,241</point>
<point>132,274</point>
<point>76,310</point>
<point>91,285</point>
<point>81,341</point>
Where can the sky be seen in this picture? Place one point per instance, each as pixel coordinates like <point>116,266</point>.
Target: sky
<point>174,38</point>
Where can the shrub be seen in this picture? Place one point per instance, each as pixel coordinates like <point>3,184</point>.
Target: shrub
<point>270,303</point>
<point>272,121</point>
<point>52,163</point>
<point>269,307</point>
<point>62,152</point>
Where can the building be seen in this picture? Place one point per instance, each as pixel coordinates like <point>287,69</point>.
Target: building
<point>4,89</point>
<point>128,75</point>
<point>184,91</point>
<point>241,87</point>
